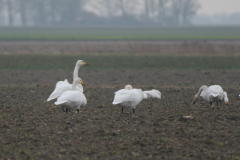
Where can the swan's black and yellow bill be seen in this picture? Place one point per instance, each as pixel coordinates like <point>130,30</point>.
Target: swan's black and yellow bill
<point>82,83</point>
<point>194,101</point>
<point>85,64</point>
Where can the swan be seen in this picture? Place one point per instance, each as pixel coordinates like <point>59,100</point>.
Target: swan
<point>211,94</point>
<point>73,98</point>
<point>63,86</point>
<point>129,97</point>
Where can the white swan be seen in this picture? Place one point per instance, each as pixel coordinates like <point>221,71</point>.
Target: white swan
<point>211,94</point>
<point>72,99</point>
<point>63,86</point>
<point>129,97</point>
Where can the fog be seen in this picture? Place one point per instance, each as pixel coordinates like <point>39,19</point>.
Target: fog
<point>108,13</point>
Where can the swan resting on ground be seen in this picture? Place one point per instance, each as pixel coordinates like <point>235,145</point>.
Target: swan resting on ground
<point>63,86</point>
<point>129,97</point>
<point>72,99</point>
<point>211,94</point>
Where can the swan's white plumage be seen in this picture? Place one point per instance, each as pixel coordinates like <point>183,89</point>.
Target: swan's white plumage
<point>212,93</point>
<point>128,98</point>
<point>63,86</point>
<point>153,94</point>
<point>73,98</point>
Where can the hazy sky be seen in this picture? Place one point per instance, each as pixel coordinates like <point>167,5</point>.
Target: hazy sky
<point>219,6</point>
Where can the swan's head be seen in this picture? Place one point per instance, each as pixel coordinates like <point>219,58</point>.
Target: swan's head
<point>195,98</point>
<point>81,63</point>
<point>128,87</point>
<point>79,81</point>
<point>225,98</point>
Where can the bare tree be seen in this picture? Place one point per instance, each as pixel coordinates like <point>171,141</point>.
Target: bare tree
<point>127,6</point>
<point>190,8</point>
<point>10,12</point>
<point>182,10</point>
<point>1,11</point>
<point>162,11</point>
<point>147,14</point>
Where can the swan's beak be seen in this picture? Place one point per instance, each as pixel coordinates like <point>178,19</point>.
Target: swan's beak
<point>85,64</point>
<point>82,83</point>
<point>227,103</point>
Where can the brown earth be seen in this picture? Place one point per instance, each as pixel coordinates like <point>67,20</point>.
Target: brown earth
<point>201,47</point>
<point>34,129</point>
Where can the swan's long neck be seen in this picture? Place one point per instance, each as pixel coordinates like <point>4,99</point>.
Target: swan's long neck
<point>225,98</point>
<point>74,85</point>
<point>202,88</point>
<point>75,72</point>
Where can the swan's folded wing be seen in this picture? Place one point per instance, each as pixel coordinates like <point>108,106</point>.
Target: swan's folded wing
<point>60,83</point>
<point>153,94</point>
<point>216,89</point>
<point>120,96</point>
<point>121,91</point>
<point>68,96</point>
<point>59,90</point>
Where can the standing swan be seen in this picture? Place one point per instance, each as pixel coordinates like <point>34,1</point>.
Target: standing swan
<point>63,86</point>
<point>129,97</point>
<point>211,94</point>
<point>73,98</point>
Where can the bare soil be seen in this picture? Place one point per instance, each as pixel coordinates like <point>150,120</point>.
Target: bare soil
<point>31,128</point>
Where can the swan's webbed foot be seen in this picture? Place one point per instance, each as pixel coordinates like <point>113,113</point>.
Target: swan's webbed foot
<point>133,111</point>
<point>122,110</point>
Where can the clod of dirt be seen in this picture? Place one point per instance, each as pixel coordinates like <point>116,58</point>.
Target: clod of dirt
<point>114,133</point>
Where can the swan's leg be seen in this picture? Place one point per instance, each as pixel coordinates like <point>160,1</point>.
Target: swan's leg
<point>133,111</point>
<point>63,109</point>
<point>210,103</point>
<point>212,106</point>
<point>69,110</point>
<point>78,110</point>
<point>122,110</point>
<point>217,103</point>
<point>220,102</point>
<point>66,110</point>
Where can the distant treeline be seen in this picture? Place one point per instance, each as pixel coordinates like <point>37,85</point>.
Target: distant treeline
<point>97,12</point>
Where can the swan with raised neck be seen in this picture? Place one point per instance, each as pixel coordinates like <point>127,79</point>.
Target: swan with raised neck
<point>77,66</point>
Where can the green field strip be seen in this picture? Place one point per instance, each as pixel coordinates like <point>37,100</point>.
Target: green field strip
<point>111,62</point>
<point>128,33</point>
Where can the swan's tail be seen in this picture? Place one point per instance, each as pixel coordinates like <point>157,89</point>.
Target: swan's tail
<point>54,95</point>
<point>153,94</point>
<point>115,103</point>
<point>59,102</point>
